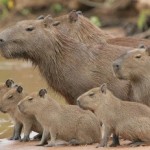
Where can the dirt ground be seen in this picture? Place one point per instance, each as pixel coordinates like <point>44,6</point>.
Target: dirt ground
<point>14,145</point>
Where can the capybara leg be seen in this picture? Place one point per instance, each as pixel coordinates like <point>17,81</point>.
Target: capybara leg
<point>137,143</point>
<point>45,136</point>
<point>52,142</point>
<point>27,129</point>
<point>115,141</point>
<point>17,131</point>
<point>105,136</point>
<point>38,136</point>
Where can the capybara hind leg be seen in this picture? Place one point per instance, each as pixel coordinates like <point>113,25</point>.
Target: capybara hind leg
<point>74,142</point>
<point>137,143</point>
<point>106,132</point>
<point>115,141</point>
<point>45,136</point>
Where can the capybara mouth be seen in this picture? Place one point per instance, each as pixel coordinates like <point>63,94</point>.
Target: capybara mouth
<point>3,111</point>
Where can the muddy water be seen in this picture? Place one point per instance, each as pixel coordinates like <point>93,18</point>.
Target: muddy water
<point>29,77</point>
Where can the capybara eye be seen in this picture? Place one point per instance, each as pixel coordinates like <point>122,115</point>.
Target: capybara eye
<point>91,94</point>
<point>10,97</point>
<point>30,29</point>
<point>138,56</point>
<point>30,99</point>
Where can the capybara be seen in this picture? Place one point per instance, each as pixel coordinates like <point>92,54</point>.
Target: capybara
<point>5,87</point>
<point>69,66</point>
<point>8,104</point>
<point>80,28</point>
<point>130,120</point>
<point>134,66</point>
<point>65,122</point>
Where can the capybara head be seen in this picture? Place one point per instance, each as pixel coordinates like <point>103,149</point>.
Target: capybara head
<point>27,39</point>
<point>31,103</point>
<point>93,98</point>
<point>10,99</point>
<point>80,28</point>
<point>6,86</point>
<point>133,64</point>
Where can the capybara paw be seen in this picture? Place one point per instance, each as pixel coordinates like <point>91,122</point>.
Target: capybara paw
<point>15,138</point>
<point>40,144</point>
<point>101,145</point>
<point>50,144</point>
<point>114,144</point>
<point>136,144</point>
<point>74,142</point>
<point>25,139</point>
<point>37,137</point>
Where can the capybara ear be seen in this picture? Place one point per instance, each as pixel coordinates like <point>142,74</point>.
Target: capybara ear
<point>9,83</point>
<point>42,92</point>
<point>141,46</point>
<point>48,20</point>
<point>40,17</point>
<point>56,23</point>
<point>148,51</point>
<point>19,89</point>
<point>103,88</point>
<point>73,16</point>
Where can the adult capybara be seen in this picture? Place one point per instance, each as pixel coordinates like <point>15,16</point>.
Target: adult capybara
<point>79,27</point>
<point>130,120</point>
<point>8,104</point>
<point>69,66</point>
<point>4,87</point>
<point>65,122</point>
<point>134,66</point>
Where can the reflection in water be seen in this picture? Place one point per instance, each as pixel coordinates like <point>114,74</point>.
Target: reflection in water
<point>23,74</point>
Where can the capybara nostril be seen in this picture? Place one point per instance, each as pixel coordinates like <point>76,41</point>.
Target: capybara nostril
<point>1,40</point>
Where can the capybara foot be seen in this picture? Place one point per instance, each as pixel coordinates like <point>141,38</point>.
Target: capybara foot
<point>42,144</point>
<point>51,144</point>
<point>25,139</point>
<point>101,145</point>
<point>15,138</point>
<point>37,137</point>
<point>136,144</point>
<point>74,142</point>
<point>115,142</point>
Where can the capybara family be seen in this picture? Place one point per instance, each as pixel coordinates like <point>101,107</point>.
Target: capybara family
<point>134,66</point>
<point>65,122</point>
<point>69,66</point>
<point>8,104</point>
<point>130,120</point>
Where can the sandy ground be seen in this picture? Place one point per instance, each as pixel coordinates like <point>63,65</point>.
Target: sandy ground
<point>14,145</point>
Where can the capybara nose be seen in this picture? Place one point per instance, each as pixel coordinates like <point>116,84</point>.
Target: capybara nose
<point>1,40</point>
<point>116,66</point>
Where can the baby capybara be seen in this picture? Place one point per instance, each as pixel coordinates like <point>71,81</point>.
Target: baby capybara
<point>8,104</point>
<point>130,120</point>
<point>65,122</point>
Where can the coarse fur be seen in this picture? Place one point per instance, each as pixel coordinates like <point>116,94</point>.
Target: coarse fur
<point>79,27</point>
<point>130,120</point>
<point>134,66</point>
<point>69,66</point>
<point>8,104</point>
<point>65,122</point>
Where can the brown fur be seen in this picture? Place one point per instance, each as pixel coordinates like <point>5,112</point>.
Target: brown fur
<point>70,67</point>
<point>65,122</point>
<point>80,28</point>
<point>134,66</point>
<point>130,120</point>
<point>8,104</point>
<point>5,87</point>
